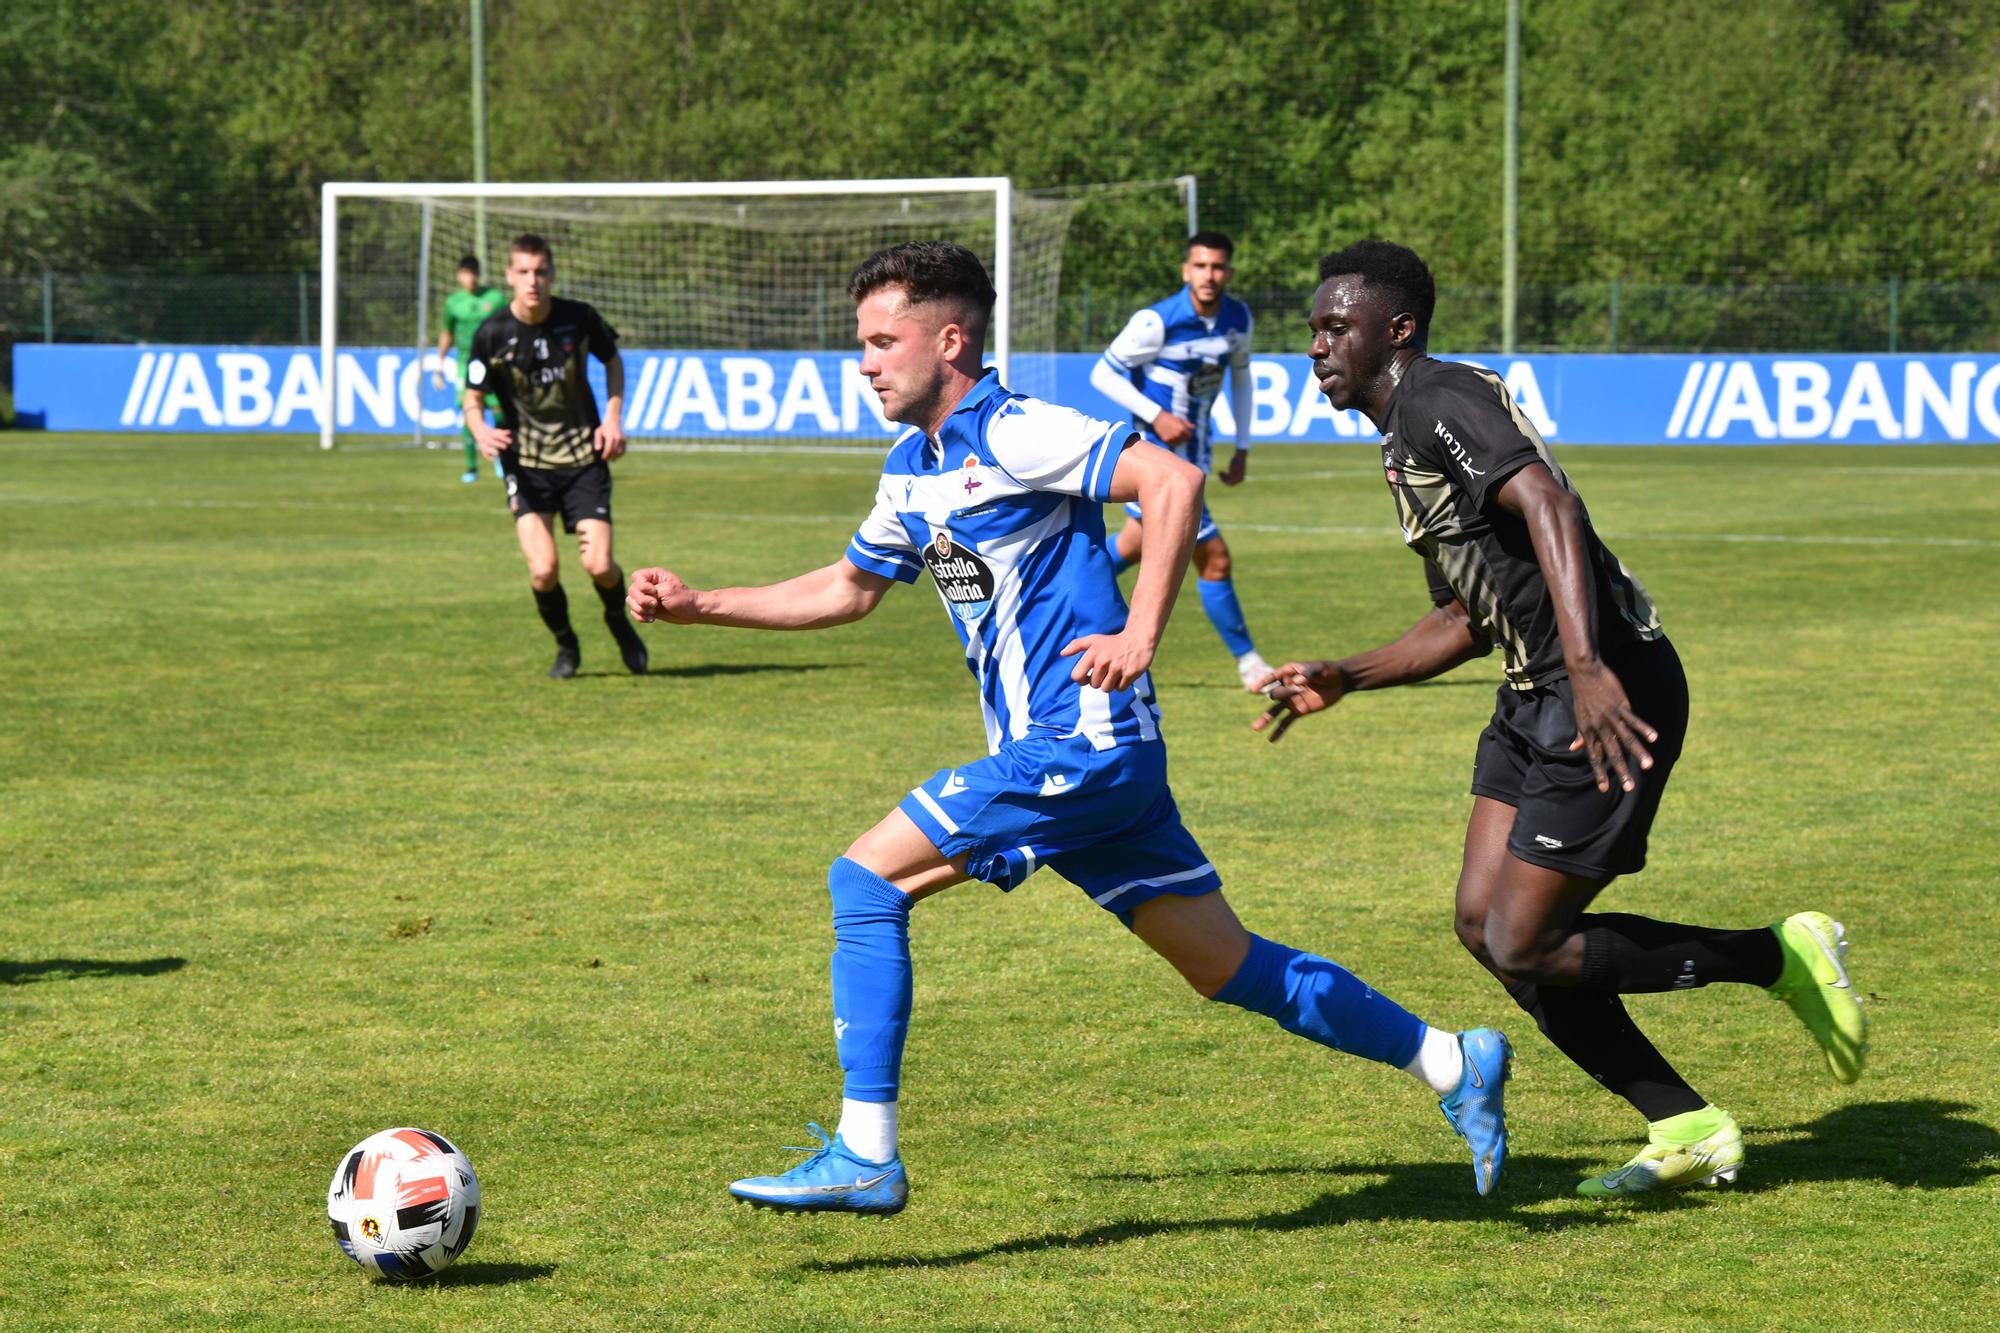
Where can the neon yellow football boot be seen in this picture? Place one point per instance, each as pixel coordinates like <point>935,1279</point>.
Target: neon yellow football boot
<point>1696,1148</point>
<point>1816,986</point>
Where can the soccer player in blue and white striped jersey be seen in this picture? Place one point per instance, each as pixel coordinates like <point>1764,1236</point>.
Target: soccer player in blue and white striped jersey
<point>1166,368</point>
<point>1000,497</point>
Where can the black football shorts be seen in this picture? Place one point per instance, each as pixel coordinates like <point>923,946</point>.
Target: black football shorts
<point>576,493</point>
<point>1562,821</point>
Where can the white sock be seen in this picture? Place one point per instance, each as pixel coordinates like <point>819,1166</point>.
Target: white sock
<point>1439,1062</point>
<point>869,1128</point>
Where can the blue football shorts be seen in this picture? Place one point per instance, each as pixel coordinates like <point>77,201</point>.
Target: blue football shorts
<point>1102,819</point>
<point>1206,532</point>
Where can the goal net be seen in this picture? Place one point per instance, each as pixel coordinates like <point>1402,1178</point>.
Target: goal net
<point>729,299</point>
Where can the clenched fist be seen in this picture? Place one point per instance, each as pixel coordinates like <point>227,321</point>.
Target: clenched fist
<point>659,594</point>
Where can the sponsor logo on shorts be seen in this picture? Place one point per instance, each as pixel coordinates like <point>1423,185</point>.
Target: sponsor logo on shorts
<point>1547,841</point>
<point>1054,784</point>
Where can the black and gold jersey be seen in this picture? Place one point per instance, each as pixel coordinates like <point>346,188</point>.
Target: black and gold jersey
<point>1451,437</point>
<point>538,371</point>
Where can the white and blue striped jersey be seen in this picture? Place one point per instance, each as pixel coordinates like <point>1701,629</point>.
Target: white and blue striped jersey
<point>1005,510</point>
<point>1175,356</point>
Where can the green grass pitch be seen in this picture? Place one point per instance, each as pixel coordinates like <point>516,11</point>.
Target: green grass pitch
<point>299,844</point>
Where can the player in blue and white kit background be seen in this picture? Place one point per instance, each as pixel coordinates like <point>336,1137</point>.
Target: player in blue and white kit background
<point>1166,369</point>
<point>1000,496</point>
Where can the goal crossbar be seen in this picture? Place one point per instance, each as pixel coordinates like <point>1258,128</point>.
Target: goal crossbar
<point>332,192</point>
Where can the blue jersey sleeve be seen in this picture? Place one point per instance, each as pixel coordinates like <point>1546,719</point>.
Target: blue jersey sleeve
<point>1050,448</point>
<point>881,545</point>
<point>1138,344</point>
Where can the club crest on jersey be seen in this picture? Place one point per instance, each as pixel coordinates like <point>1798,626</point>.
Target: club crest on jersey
<point>971,465</point>
<point>963,579</point>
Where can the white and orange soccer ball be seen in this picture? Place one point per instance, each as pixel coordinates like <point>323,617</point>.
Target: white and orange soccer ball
<point>404,1203</point>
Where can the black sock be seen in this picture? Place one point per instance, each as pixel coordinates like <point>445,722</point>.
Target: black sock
<point>615,618</point>
<point>1600,1038</point>
<point>1635,955</point>
<point>554,607</point>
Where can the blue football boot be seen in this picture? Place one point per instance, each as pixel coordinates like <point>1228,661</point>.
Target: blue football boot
<point>832,1180</point>
<point>1476,1109</point>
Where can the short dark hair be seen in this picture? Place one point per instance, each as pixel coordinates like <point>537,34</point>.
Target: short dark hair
<point>1212,240</point>
<point>1392,271</point>
<point>468,264</point>
<point>530,243</point>
<point>927,271</point>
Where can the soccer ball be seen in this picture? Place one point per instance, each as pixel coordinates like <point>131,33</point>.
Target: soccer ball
<point>403,1203</point>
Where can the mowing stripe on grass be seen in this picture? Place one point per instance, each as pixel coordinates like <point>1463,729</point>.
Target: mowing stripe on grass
<point>1295,529</point>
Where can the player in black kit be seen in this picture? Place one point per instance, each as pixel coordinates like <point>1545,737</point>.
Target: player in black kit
<point>555,451</point>
<point>1570,771</point>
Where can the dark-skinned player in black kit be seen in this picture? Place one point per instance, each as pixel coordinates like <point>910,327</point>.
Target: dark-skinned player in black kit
<point>1586,729</point>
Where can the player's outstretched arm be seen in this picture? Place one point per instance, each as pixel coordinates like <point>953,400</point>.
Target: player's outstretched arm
<point>1168,488</point>
<point>1607,730</point>
<point>834,595</point>
<point>1443,639</point>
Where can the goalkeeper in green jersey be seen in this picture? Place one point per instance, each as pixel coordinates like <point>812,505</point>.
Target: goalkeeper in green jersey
<point>464,311</point>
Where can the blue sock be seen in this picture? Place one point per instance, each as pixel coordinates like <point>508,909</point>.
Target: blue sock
<point>1218,598</point>
<point>871,979</point>
<point>1323,1002</point>
<point>1119,564</point>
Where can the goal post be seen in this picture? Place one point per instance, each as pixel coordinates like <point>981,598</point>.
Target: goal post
<point>743,205</point>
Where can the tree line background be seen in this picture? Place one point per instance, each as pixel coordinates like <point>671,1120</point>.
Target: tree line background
<point>1807,173</point>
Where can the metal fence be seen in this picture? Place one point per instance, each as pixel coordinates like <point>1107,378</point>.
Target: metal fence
<point>1888,316</point>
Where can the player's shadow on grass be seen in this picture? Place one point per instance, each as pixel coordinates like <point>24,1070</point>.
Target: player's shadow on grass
<point>709,670</point>
<point>75,969</point>
<point>1433,1191</point>
<point>1237,688</point>
<point>490,1274</point>
<point>1922,1144</point>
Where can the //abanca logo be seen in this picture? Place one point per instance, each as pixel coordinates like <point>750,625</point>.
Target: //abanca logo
<point>965,580</point>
